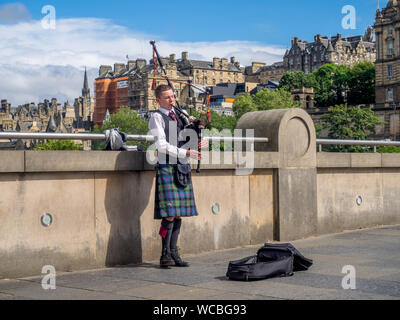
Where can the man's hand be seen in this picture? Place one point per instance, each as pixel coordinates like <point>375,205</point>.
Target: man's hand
<point>193,154</point>
<point>203,144</point>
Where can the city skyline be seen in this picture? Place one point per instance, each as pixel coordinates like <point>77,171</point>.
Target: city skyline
<point>41,63</point>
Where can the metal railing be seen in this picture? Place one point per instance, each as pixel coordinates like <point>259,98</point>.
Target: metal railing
<point>102,136</point>
<point>150,138</point>
<point>373,143</point>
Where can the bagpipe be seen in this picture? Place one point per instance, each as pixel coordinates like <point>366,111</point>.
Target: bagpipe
<point>190,122</point>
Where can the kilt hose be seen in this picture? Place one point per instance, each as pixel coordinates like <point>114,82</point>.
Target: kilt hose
<point>170,200</point>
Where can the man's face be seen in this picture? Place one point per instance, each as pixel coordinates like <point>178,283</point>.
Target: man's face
<point>166,99</point>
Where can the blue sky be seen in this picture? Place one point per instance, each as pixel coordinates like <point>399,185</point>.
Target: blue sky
<point>266,21</point>
<point>41,63</point>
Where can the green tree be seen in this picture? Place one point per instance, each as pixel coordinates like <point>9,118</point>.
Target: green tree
<point>243,104</point>
<point>297,79</point>
<point>128,121</point>
<point>58,145</point>
<point>388,149</point>
<point>361,83</point>
<point>223,121</point>
<point>265,99</point>
<point>325,94</point>
<point>277,99</point>
<point>353,123</point>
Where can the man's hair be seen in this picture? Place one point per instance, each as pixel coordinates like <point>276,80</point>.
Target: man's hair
<point>161,88</point>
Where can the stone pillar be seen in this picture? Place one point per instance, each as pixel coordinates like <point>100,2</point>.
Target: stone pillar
<point>291,132</point>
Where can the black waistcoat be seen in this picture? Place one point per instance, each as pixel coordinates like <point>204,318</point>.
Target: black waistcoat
<point>174,140</point>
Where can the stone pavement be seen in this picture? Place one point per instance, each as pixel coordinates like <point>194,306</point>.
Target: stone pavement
<point>374,253</point>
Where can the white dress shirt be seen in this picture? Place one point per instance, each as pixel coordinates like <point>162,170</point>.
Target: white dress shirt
<point>157,128</point>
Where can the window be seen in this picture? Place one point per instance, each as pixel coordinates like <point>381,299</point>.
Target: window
<point>390,48</point>
<point>306,59</point>
<point>390,94</point>
<point>322,57</point>
<point>390,31</point>
<point>315,58</point>
<point>306,70</point>
<point>390,70</point>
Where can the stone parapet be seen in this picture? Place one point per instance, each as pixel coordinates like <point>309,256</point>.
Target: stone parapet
<point>102,202</point>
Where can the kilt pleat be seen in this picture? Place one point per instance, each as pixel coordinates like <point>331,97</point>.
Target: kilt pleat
<point>170,200</point>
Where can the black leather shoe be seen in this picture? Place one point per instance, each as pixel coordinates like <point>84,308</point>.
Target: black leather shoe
<point>177,259</point>
<point>166,260</point>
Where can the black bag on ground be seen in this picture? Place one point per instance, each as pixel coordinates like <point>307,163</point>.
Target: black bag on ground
<point>272,260</point>
<point>273,251</point>
<point>251,268</point>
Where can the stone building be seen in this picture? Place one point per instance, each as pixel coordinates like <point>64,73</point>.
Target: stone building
<point>49,116</point>
<point>131,84</point>
<point>260,73</point>
<point>309,56</point>
<point>305,96</point>
<point>387,67</point>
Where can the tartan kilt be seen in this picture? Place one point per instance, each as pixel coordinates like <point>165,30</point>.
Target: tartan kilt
<point>170,200</point>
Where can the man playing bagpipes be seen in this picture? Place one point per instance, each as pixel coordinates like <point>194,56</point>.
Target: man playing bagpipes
<point>174,197</point>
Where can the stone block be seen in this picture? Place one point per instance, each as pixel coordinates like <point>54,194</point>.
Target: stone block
<point>53,161</point>
<point>12,161</point>
<point>333,160</point>
<point>366,160</point>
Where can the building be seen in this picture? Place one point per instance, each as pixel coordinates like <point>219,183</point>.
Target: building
<point>309,56</point>
<point>387,67</point>
<point>131,84</point>
<point>271,85</point>
<point>49,116</point>
<point>261,73</point>
<point>305,96</point>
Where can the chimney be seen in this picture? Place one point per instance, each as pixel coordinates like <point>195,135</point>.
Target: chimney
<point>185,56</point>
<point>104,69</point>
<point>224,63</point>
<point>131,64</point>
<point>294,41</point>
<point>233,60</point>
<point>339,36</point>
<point>216,63</point>
<point>172,57</point>
<point>140,63</point>
<point>118,67</point>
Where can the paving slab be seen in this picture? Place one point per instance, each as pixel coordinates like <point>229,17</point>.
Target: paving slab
<point>373,252</point>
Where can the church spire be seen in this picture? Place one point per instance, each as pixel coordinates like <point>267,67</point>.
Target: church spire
<point>85,90</point>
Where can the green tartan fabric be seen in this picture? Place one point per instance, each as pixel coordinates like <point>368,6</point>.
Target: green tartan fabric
<point>171,200</point>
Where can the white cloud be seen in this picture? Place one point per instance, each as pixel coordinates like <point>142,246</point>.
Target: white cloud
<point>38,63</point>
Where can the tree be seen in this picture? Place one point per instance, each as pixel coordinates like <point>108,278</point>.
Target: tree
<point>388,149</point>
<point>327,86</point>
<point>243,104</point>
<point>346,122</point>
<point>361,83</point>
<point>297,79</point>
<point>265,99</point>
<point>128,121</point>
<point>58,145</point>
<point>278,99</point>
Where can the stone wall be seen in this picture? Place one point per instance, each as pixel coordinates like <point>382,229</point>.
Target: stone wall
<point>102,203</point>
